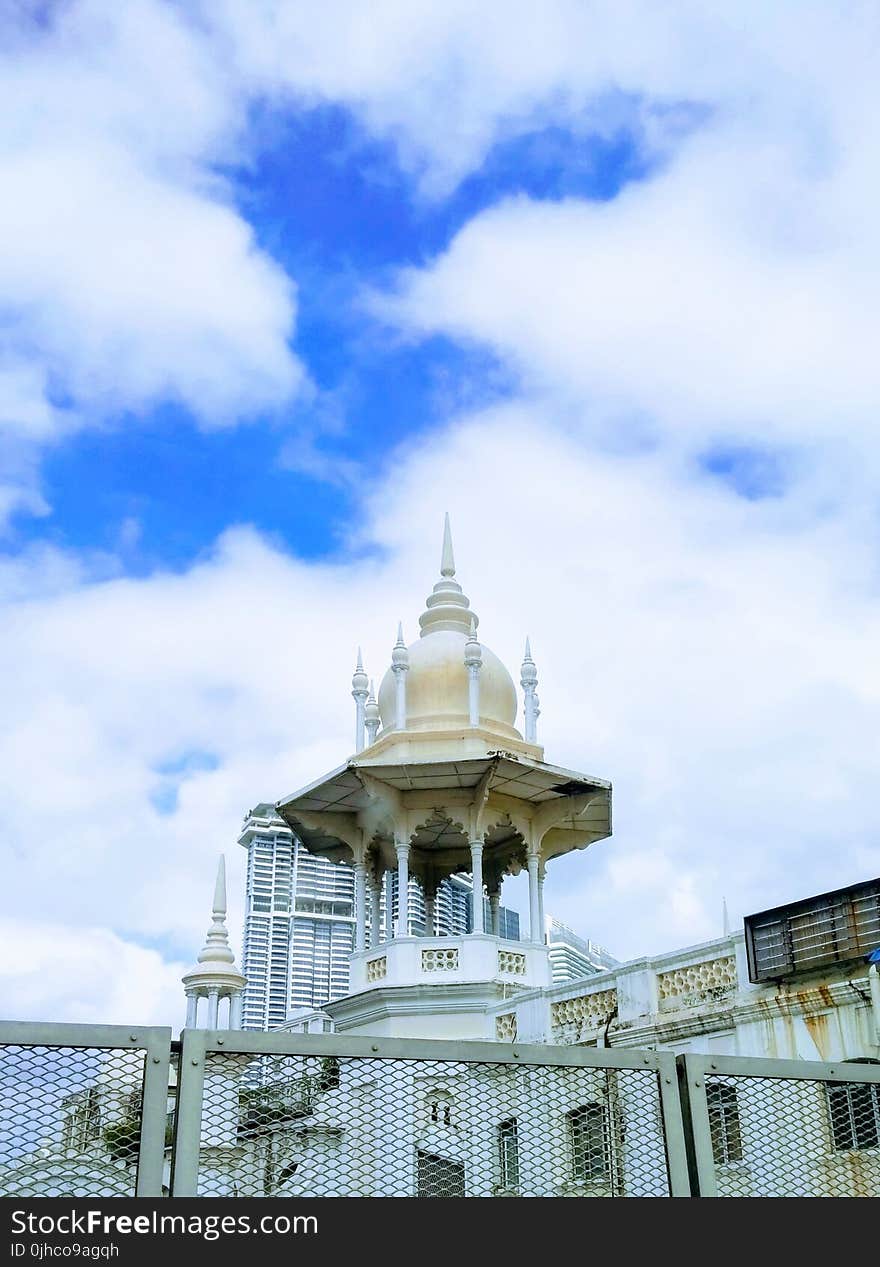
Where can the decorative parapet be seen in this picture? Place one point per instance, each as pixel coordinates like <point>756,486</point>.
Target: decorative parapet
<point>513,962</point>
<point>377,968</point>
<point>505,1028</point>
<point>697,983</point>
<point>569,1017</point>
<point>437,960</point>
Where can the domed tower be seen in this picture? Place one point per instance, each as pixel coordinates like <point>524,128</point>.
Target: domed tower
<point>215,976</point>
<point>446,783</point>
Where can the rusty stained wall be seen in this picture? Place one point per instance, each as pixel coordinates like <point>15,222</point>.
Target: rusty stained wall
<point>808,1023</point>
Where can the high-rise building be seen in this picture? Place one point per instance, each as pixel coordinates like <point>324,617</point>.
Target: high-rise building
<point>299,921</point>
<point>572,956</point>
<point>452,909</point>
<point>298,926</point>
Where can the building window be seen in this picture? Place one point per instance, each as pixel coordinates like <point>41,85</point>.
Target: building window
<point>854,1112</point>
<point>439,1176</point>
<point>508,1154</point>
<point>723,1122</point>
<point>83,1122</point>
<point>587,1141</point>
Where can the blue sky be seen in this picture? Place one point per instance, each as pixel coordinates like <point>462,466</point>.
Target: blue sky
<point>333,208</point>
<point>282,283</point>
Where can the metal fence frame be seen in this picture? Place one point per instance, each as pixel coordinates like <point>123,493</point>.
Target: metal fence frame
<point>154,1041</point>
<point>199,1044</point>
<point>681,1082</point>
<point>694,1070</point>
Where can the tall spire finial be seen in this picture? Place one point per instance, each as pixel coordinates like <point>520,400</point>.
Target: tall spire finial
<point>216,948</point>
<point>447,607</point>
<point>215,975</point>
<point>447,559</point>
<point>529,681</point>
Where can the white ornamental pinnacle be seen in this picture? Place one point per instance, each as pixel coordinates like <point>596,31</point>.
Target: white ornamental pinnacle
<point>473,652</point>
<point>528,671</point>
<point>359,684</point>
<point>400,668</point>
<point>400,655</point>
<point>359,680</point>
<point>215,975</point>
<point>447,607</point>
<point>529,681</point>
<point>371,716</point>
<point>216,948</point>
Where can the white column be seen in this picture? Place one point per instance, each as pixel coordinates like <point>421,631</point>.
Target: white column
<point>360,904</point>
<point>192,1004</point>
<point>235,1011</point>
<point>495,909</point>
<point>477,894</point>
<point>375,908</point>
<point>402,848</point>
<point>400,698</point>
<point>213,1004</point>
<point>430,922</point>
<point>473,658</point>
<point>535,933</point>
<point>541,873</point>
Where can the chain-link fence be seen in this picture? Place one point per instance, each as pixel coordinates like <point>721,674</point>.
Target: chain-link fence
<point>282,1115</point>
<point>82,1110</point>
<point>107,1111</point>
<point>775,1128</point>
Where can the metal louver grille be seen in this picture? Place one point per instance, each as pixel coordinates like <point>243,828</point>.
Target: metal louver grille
<point>303,1125</point>
<point>834,928</point>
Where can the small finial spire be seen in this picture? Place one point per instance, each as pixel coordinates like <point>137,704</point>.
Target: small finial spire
<point>359,683</point>
<point>215,976</point>
<point>216,948</point>
<point>725,918</point>
<point>220,888</point>
<point>400,668</point>
<point>447,559</point>
<point>371,715</point>
<point>528,676</point>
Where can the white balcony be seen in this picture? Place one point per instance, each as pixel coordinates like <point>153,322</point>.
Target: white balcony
<point>474,957</point>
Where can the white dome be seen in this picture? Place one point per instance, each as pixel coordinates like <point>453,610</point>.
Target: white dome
<point>437,687</point>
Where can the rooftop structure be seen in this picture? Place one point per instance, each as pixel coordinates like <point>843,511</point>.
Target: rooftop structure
<point>444,783</point>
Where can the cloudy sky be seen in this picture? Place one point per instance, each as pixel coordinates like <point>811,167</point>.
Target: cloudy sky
<point>280,283</point>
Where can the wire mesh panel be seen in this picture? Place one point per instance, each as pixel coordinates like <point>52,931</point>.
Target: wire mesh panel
<point>340,1125</point>
<point>771,1135</point>
<point>80,1118</point>
<point>70,1121</point>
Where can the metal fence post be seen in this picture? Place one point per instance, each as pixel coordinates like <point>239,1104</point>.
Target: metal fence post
<point>188,1119</point>
<point>154,1107</point>
<point>673,1127</point>
<point>692,1086</point>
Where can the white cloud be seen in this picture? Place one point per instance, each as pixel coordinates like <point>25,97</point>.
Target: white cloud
<point>715,658</point>
<point>711,659</point>
<point>84,976</point>
<point>127,276</point>
<point>676,308</point>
